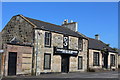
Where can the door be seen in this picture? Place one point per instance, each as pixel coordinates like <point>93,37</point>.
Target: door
<point>105,60</point>
<point>65,63</point>
<point>12,60</point>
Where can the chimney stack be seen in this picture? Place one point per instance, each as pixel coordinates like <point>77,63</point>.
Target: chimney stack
<point>97,37</point>
<point>71,25</point>
<point>65,21</point>
<point>71,21</point>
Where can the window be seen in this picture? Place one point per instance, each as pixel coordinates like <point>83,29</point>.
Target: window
<point>80,62</point>
<point>80,44</point>
<point>47,61</point>
<point>47,39</point>
<point>96,59</point>
<point>112,60</point>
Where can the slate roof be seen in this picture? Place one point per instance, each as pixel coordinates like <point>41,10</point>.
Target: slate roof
<point>93,43</point>
<point>55,28</point>
<point>99,45</point>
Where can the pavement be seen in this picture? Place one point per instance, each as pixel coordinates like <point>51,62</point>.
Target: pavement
<point>109,75</point>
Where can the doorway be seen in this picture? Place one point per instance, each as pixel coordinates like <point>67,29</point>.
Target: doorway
<point>105,60</point>
<point>12,60</point>
<point>65,63</point>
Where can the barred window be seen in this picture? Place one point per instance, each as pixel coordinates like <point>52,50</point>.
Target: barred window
<point>112,60</point>
<point>80,62</point>
<point>96,59</point>
<point>47,39</point>
<point>47,61</point>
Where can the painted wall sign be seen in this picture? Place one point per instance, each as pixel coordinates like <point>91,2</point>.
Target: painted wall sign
<point>65,51</point>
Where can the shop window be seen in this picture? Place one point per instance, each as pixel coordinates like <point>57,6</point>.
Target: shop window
<point>112,60</point>
<point>80,62</point>
<point>80,44</point>
<point>96,59</point>
<point>47,39</point>
<point>47,61</point>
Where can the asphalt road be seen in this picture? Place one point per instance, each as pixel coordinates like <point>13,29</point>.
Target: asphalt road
<point>89,75</point>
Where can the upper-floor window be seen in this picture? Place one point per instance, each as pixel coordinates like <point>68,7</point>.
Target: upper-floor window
<point>96,59</point>
<point>80,44</point>
<point>112,60</point>
<point>47,39</point>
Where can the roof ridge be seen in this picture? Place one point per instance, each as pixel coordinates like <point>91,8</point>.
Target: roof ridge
<point>56,25</point>
<point>44,21</point>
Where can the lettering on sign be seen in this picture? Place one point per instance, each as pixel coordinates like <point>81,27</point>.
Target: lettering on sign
<point>65,51</point>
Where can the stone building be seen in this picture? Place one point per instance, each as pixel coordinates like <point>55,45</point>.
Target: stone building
<point>101,56</point>
<point>41,47</point>
<point>31,46</point>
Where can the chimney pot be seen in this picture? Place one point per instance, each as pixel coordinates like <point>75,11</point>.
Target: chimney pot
<point>97,36</point>
<point>71,21</point>
<point>65,21</point>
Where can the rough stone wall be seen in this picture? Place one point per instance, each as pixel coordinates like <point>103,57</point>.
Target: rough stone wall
<point>91,58</point>
<point>74,60</point>
<point>84,53</point>
<point>57,41</point>
<point>19,28</point>
<point>40,49</point>
<point>73,43</point>
<point>24,59</point>
<point>73,65</point>
<point>100,58</point>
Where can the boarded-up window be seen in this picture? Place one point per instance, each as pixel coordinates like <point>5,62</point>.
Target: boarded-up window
<point>80,62</point>
<point>96,59</point>
<point>112,60</point>
<point>47,61</point>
